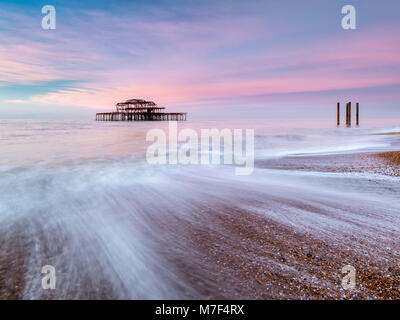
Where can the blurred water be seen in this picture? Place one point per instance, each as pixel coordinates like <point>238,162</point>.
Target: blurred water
<point>27,142</point>
<point>79,195</point>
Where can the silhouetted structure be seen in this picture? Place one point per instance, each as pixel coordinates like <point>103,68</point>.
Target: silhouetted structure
<point>139,110</point>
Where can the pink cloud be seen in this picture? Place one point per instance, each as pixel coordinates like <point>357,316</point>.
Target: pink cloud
<point>184,62</point>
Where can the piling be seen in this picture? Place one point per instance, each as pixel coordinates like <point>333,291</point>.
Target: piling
<point>349,113</point>
<point>358,114</point>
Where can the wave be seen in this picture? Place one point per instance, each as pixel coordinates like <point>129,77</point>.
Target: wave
<point>114,229</point>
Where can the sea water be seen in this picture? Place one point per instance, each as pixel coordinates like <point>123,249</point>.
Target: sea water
<point>80,195</point>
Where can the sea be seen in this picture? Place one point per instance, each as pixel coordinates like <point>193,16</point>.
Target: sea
<point>81,196</point>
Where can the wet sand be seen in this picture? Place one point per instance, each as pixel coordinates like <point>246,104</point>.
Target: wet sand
<point>227,252</point>
<point>389,134</point>
<point>392,157</point>
<point>384,163</point>
<point>256,258</point>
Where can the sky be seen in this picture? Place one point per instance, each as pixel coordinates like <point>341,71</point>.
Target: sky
<point>209,58</point>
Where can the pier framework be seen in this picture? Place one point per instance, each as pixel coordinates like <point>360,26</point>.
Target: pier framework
<point>140,110</point>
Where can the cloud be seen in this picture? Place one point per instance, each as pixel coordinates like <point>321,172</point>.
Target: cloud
<point>203,56</point>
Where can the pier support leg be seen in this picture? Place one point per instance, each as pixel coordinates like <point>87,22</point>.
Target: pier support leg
<point>349,113</point>
<point>357,114</point>
<point>338,114</point>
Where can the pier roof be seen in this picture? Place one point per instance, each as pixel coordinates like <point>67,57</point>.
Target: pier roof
<point>137,102</point>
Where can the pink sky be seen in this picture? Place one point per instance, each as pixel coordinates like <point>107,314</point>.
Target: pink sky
<point>197,59</point>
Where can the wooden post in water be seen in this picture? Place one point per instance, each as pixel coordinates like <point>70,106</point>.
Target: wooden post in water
<point>338,113</point>
<point>357,113</point>
<point>349,113</point>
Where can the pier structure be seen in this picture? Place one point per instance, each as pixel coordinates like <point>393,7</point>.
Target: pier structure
<point>357,114</point>
<point>140,110</point>
<point>348,114</point>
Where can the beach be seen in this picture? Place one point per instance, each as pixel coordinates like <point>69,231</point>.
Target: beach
<point>116,228</point>
<point>256,257</point>
<point>391,157</point>
<point>199,150</point>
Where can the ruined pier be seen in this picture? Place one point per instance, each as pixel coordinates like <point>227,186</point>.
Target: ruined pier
<point>348,114</point>
<point>140,110</point>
